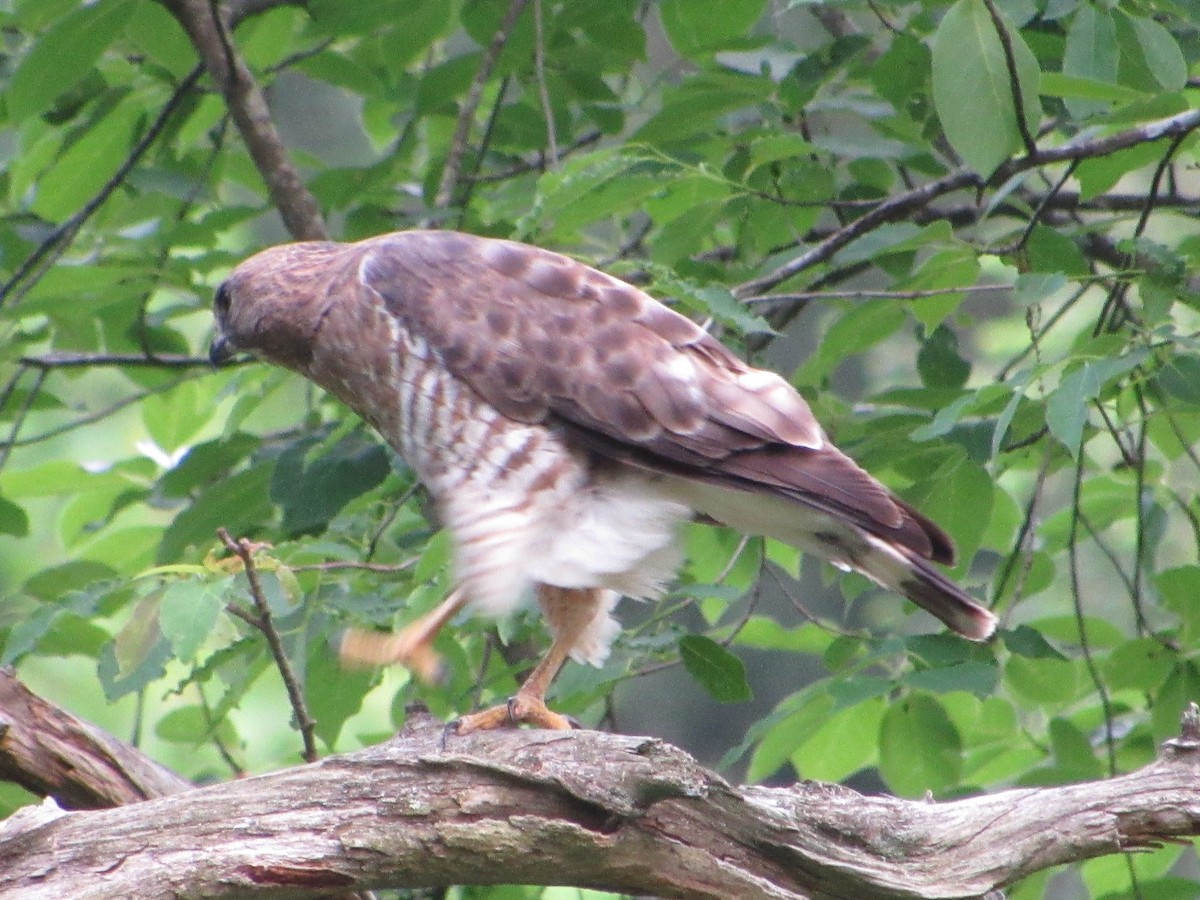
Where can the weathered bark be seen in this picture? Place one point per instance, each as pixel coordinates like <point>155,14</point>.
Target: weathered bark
<point>583,808</point>
<point>48,751</point>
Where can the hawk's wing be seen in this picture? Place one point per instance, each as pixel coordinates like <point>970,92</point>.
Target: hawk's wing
<point>544,338</point>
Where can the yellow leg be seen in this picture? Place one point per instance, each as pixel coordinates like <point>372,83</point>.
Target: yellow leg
<point>568,612</point>
<point>410,647</point>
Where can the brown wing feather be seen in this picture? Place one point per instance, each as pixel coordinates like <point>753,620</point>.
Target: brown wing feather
<point>545,338</point>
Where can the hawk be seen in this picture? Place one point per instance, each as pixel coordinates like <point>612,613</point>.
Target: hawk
<point>565,423</point>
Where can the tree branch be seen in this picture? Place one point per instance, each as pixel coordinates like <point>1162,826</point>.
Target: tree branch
<point>905,204</point>
<point>48,751</point>
<point>66,359</point>
<point>586,808</point>
<point>208,25</point>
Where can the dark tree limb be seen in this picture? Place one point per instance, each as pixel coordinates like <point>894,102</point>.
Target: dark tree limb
<point>208,25</point>
<point>585,808</point>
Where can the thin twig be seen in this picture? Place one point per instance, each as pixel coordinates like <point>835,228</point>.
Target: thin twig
<point>337,565</point>
<point>19,419</point>
<point>485,142</point>
<point>466,115</point>
<point>806,296</point>
<point>59,239</point>
<point>59,359</point>
<point>1014,81</point>
<point>539,68</point>
<point>244,550</point>
<point>536,165</point>
<point>1109,316</point>
<point>1085,647</point>
<point>90,418</point>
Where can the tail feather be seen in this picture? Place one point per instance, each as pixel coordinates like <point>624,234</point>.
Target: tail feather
<point>902,571</point>
<point>889,563</point>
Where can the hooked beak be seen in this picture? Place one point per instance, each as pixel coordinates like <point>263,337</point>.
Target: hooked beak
<point>221,350</point>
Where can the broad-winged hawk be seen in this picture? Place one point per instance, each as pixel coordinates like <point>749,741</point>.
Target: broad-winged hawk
<point>566,423</point>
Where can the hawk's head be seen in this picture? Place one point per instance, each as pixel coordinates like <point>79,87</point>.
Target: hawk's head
<point>272,304</point>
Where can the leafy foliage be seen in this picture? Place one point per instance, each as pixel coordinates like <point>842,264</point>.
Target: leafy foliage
<point>977,220</point>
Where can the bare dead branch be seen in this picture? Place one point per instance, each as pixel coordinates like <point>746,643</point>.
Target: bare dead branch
<point>208,26</point>
<point>265,623</point>
<point>586,808</point>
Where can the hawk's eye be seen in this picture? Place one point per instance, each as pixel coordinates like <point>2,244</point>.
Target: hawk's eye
<point>221,300</point>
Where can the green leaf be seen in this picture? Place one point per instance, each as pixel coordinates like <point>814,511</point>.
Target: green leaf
<point>87,164</point>
<point>63,55</point>
<point>312,494</point>
<point>1073,752</point>
<point>939,361</point>
<point>719,672</point>
<point>1179,587</point>
<point>188,615</point>
<point>836,749</point>
<point>1091,52</point>
<point>13,519</point>
<point>117,680</point>
<point>1049,250</point>
<point>31,629</point>
<point>978,678</point>
<point>959,496</point>
<point>786,728</point>
<point>919,748</point>
<point>237,503</point>
<point>173,417</point>
<point>696,29</point>
<point>333,694</point>
<point>1097,176</point>
<point>1046,682</point>
<point>972,92</point>
<point>1181,688</point>
<point>1067,409</point>
<point>1141,664</point>
<point>1026,641</point>
<point>1056,84</point>
<point>192,725</point>
<point>1180,378</point>
<point>337,17</point>
<point>1162,55</point>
